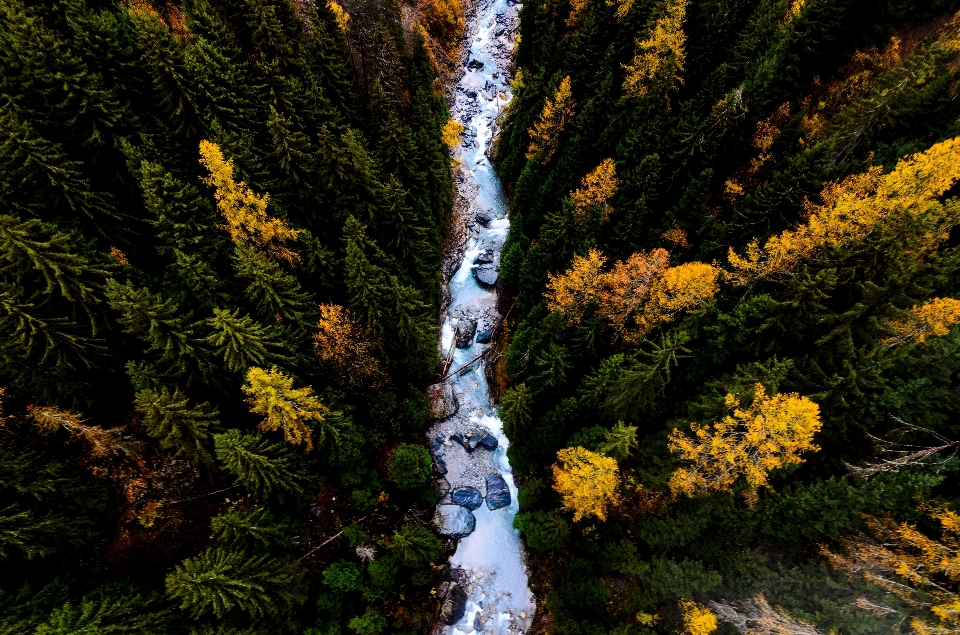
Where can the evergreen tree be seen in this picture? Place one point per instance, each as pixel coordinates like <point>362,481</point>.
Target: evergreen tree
<point>183,429</point>
<point>221,582</point>
<point>240,341</point>
<point>263,467</point>
<point>251,528</point>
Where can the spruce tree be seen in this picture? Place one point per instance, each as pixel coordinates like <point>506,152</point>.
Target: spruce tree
<point>241,342</point>
<point>252,528</point>
<point>182,429</point>
<point>275,293</point>
<point>265,468</point>
<point>222,582</point>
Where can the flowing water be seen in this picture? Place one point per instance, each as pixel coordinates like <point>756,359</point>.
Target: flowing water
<point>489,563</point>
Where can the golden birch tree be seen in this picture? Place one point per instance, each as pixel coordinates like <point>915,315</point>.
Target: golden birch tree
<point>244,211</point>
<point>586,481</point>
<point>854,206</point>
<point>662,49</point>
<point>545,133</point>
<point>770,434</point>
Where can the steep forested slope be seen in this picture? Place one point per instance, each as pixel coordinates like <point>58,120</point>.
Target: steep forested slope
<point>219,233</point>
<point>733,377</point>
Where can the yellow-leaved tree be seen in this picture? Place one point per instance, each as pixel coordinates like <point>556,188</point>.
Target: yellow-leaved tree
<point>587,482</point>
<point>924,573</point>
<point>697,619</point>
<point>930,319</point>
<point>596,189</point>
<point>661,50</point>
<point>637,295</point>
<point>341,342</point>
<point>244,211</point>
<point>452,133</point>
<point>271,393</point>
<point>545,133</point>
<point>853,207</point>
<point>771,433</point>
<point>340,15</point>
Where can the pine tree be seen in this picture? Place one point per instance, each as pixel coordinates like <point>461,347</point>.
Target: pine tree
<point>112,609</point>
<point>415,546</point>
<point>274,292</point>
<point>222,582</point>
<point>184,429</point>
<point>365,278</point>
<point>240,341</point>
<point>292,151</point>
<point>253,528</point>
<point>263,467</point>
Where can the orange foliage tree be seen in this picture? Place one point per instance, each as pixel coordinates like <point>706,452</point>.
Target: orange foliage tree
<point>244,211</point>
<point>771,433</point>
<point>931,319</point>
<point>636,296</point>
<point>596,189</point>
<point>340,341</point>
<point>545,133</point>
<point>662,49</point>
<point>853,207</point>
<point>921,571</point>
<point>101,442</point>
<point>586,481</point>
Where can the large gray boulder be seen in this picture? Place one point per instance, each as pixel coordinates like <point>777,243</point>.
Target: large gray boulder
<point>485,257</point>
<point>465,332</point>
<point>486,274</point>
<point>453,603</point>
<point>454,521</point>
<point>443,401</point>
<point>469,497</point>
<point>442,486</point>
<point>498,494</point>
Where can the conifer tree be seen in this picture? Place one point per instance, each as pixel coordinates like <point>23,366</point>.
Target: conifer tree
<point>183,429</point>
<point>296,411</point>
<point>240,341</point>
<point>251,528</point>
<point>222,582</point>
<point>274,292</point>
<point>292,152</point>
<point>263,467</point>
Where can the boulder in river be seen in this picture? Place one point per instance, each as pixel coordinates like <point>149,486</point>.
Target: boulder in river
<point>443,401</point>
<point>453,605</point>
<point>474,64</point>
<point>465,332</point>
<point>469,497</point>
<point>486,274</point>
<point>488,442</point>
<point>484,336</point>
<point>498,494</point>
<point>454,521</point>
<point>485,257</point>
<point>484,217</point>
<point>439,465</point>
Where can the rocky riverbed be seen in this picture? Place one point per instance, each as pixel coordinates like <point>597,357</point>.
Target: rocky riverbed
<point>486,588</point>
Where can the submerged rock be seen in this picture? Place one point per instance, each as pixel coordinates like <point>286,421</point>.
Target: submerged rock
<point>469,497</point>
<point>454,521</point>
<point>443,401</point>
<point>486,274</point>
<point>454,603</point>
<point>498,494</point>
<point>465,332</point>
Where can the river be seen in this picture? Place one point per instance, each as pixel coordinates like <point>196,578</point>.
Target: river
<point>487,588</point>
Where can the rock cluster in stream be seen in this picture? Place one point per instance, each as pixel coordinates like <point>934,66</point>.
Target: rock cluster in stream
<point>468,474</point>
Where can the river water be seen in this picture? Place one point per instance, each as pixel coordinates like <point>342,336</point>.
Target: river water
<point>489,563</point>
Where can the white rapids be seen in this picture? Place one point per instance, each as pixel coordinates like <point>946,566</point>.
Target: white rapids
<point>490,561</point>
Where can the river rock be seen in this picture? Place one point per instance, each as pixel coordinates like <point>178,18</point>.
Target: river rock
<point>459,439</point>
<point>473,442</point>
<point>442,486</point>
<point>454,604</point>
<point>486,274</point>
<point>474,65</point>
<point>439,465</point>
<point>454,521</point>
<point>443,401</point>
<point>471,94</point>
<point>498,494</point>
<point>484,217</point>
<point>465,332</point>
<point>484,336</point>
<point>488,442</point>
<point>485,257</point>
<point>469,497</point>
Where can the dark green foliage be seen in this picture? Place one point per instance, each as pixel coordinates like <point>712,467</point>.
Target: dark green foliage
<point>220,582</point>
<point>409,466</point>
<point>179,427</point>
<point>265,468</point>
<point>251,528</point>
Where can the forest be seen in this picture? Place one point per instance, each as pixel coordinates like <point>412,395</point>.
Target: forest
<point>731,379</point>
<point>220,227</point>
